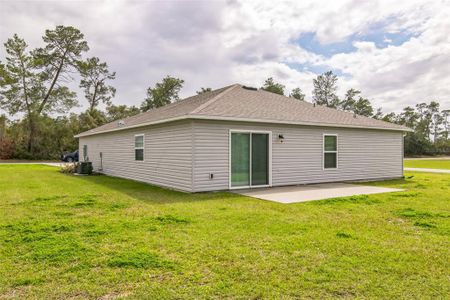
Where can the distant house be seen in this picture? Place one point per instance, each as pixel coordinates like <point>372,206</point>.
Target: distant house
<point>239,137</point>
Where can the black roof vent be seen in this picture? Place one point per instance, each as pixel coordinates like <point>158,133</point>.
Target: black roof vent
<point>249,88</point>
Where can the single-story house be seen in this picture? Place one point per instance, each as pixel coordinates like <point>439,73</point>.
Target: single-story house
<point>241,137</point>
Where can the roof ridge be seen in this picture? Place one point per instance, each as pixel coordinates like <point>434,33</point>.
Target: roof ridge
<point>330,109</point>
<point>212,100</point>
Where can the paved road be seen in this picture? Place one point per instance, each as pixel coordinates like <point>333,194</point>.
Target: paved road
<point>428,158</point>
<point>428,170</point>
<point>53,164</point>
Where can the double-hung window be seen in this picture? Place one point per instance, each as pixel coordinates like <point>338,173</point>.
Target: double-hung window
<point>139,147</point>
<point>330,151</point>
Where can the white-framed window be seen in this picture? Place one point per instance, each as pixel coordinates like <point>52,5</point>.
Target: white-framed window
<point>139,147</point>
<point>330,151</point>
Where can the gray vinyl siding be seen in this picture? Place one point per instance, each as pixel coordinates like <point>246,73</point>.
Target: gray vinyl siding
<point>167,154</point>
<point>182,155</point>
<point>362,154</point>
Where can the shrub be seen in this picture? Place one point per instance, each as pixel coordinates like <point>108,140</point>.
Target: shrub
<point>7,148</point>
<point>68,168</point>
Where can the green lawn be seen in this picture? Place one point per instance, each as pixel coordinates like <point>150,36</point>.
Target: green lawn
<point>64,236</point>
<point>428,163</point>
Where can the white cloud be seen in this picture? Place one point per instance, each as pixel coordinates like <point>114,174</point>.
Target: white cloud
<point>396,76</point>
<point>391,77</point>
<point>212,44</point>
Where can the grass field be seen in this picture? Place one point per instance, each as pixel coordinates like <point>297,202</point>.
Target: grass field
<point>428,163</point>
<point>64,236</point>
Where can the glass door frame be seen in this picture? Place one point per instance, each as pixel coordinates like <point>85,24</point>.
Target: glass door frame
<point>269,166</point>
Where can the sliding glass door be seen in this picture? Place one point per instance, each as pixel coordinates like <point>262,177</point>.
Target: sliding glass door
<point>260,159</point>
<point>249,159</point>
<point>240,159</point>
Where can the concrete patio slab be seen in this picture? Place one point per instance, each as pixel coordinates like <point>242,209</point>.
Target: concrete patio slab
<point>294,194</point>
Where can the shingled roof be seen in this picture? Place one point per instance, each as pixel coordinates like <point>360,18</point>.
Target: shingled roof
<point>238,103</point>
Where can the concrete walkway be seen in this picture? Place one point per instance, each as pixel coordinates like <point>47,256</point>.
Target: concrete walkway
<point>443,171</point>
<point>293,194</point>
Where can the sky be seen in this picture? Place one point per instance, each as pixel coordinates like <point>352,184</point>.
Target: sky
<point>396,52</point>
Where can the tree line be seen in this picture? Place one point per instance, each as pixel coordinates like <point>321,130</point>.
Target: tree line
<point>430,123</point>
<point>34,85</point>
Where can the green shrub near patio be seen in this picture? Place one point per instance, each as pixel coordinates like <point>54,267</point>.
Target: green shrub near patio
<point>65,236</point>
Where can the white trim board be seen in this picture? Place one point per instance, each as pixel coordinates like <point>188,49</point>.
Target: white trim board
<point>269,121</point>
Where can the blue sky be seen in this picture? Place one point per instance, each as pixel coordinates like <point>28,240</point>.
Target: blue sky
<point>377,35</point>
<point>316,68</point>
<point>396,52</point>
